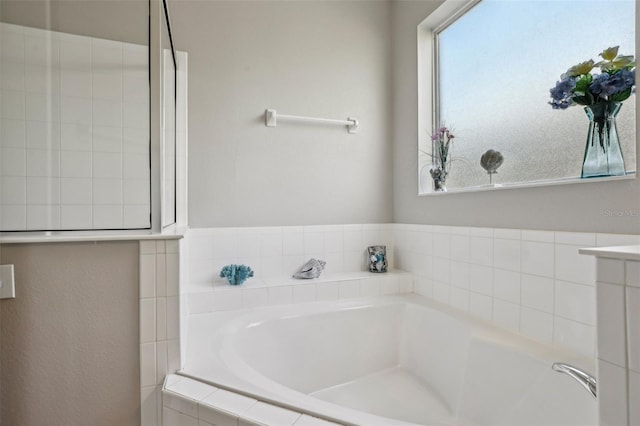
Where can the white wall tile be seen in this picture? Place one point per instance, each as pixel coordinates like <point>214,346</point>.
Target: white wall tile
<point>109,139</point>
<point>441,292</point>
<point>43,163</point>
<point>306,420</point>
<point>506,285</point>
<point>173,318</point>
<point>481,305</point>
<point>136,166</point>
<point>147,274</point>
<point>147,320</point>
<point>537,292</point>
<point>107,191</point>
<point>536,324</point>
<point>222,408</point>
<point>149,397</point>
<point>76,137</point>
<point>460,248</point>
<point>506,314</point>
<point>76,110</point>
<point>13,217</point>
<point>172,270</point>
<point>441,270</point>
<point>481,251</point>
<point>107,77</point>
<point>292,241</point>
<point>43,135</point>
<point>12,104</point>
<point>280,295</point>
<point>227,299</point>
<point>76,191</point>
<point>107,112</point>
<point>136,114</point>
<point>313,242</point>
<point>460,275</point>
<point>137,216</point>
<point>481,279</point>
<point>199,303</point>
<point>175,418</point>
<point>333,239</point>
<point>574,335</point>
<point>352,239</point>
<point>328,291</point>
<point>161,360</point>
<point>75,67</point>
<point>13,162</point>
<point>107,216</point>
<point>147,364</point>
<point>254,297</point>
<point>44,217</point>
<point>573,267</point>
<point>14,190</point>
<point>537,258</point>
<point>75,164</point>
<point>12,75</point>
<point>506,254</point>
<point>305,293</point>
<point>442,245</point>
<point>270,414</point>
<point>76,217</point>
<point>575,302</point>
<point>43,107</point>
<point>459,298</point>
<point>107,165</point>
<point>12,133</point>
<point>41,190</point>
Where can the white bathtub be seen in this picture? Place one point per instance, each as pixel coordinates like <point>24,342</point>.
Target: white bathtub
<point>387,361</point>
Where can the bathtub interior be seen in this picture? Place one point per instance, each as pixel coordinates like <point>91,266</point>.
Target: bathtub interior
<point>407,362</point>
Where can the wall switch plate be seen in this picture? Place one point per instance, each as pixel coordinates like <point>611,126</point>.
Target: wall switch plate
<point>7,282</point>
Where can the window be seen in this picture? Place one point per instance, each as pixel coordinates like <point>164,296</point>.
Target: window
<point>492,66</point>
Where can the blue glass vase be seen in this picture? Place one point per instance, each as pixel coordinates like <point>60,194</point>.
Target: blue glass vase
<point>602,155</point>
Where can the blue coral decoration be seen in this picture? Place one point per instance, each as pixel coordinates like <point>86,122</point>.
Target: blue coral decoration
<point>236,274</point>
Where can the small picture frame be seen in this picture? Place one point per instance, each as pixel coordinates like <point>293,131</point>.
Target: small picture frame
<point>377,256</point>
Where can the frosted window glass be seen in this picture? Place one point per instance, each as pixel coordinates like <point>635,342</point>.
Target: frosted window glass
<point>496,65</point>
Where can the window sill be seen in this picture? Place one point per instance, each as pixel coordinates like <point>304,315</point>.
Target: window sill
<point>532,184</point>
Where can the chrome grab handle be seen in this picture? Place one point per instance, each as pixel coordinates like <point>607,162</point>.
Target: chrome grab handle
<point>588,381</point>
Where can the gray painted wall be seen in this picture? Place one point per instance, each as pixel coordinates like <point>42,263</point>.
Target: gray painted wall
<point>126,21</point>
<point>70,339</point>
<point>574,207</point>
<point>314,58</point>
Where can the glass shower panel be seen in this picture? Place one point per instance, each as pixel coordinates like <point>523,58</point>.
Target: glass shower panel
<point>168,125</point>
<point>74,118</point>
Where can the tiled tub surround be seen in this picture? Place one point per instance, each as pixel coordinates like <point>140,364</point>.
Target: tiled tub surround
<point>618,288</point>
<point>75,132</point>
<point>533,282</point>
<point>189,402</point>
<point>275,253</point>
<point>365,361</point>
<point>159,322</point>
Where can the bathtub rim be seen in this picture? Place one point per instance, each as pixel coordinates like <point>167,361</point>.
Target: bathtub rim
<point>481,328</point>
